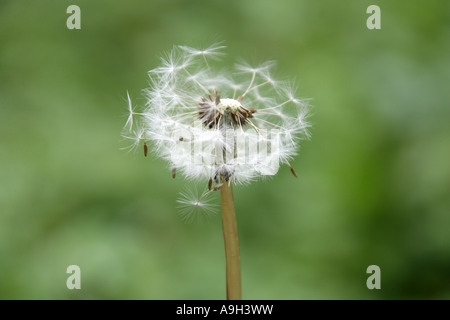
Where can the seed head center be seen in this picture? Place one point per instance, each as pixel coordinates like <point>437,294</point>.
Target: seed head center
<point>228,105</point>
<point>215,112</point>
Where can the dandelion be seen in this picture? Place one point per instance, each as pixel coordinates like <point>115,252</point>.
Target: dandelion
<point>220,127</point>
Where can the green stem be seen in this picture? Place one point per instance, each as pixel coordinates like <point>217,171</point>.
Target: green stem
<point>230,235</point>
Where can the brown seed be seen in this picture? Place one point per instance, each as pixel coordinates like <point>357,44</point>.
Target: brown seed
<point>252,110</point>
<point>174,172</point>
<point>293,171</point>
<point>145,149</point>
<point>240,98</point>
<point>218,187</point>
<point>209,183</point>
<point>217,98</point>
<point>243,112</point>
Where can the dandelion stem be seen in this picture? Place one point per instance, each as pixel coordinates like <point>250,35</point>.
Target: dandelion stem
<point>230,235</point>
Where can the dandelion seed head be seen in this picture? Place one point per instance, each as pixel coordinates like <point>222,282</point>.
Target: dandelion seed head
<point>213,123</point>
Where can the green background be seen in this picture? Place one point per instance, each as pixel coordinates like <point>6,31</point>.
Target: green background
<point>373,185</point>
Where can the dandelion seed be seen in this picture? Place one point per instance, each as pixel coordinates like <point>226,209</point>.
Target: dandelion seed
<point>174,172</point>
<point>293,171</point>
<point>145,149</point>
<point>193,205</point>
<point>210,183</point>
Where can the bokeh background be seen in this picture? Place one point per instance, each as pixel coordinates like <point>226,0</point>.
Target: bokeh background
<point>374,180</point>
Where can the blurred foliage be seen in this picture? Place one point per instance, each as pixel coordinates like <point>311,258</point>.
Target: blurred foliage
<point>373,184</point>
